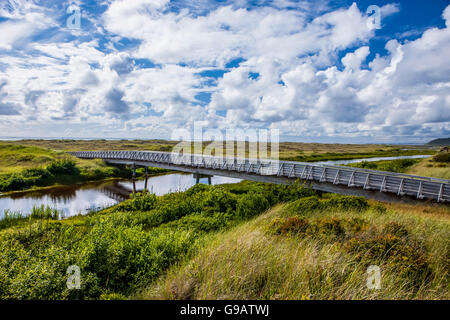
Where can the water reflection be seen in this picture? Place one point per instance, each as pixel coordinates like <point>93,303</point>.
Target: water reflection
<point>82,198</point>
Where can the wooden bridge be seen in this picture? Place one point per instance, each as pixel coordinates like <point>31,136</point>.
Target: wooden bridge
<point>379,185</point>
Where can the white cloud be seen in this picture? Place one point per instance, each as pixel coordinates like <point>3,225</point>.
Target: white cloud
<point>290,78</point>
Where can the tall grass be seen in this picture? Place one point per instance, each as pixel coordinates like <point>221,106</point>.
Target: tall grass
<point>316,252</point>
<point>46,212</point>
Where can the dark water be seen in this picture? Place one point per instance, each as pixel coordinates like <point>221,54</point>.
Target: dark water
<point>75,199</point>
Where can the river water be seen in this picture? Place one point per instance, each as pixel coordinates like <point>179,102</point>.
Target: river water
<point>83,198</point>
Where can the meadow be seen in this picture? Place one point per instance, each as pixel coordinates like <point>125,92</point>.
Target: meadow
<point>31,164</point>
<point>29,167</point>
<point>240,241</point>
<point>437,166</point>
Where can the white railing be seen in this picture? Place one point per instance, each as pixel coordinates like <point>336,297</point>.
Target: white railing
<point>400,184</point>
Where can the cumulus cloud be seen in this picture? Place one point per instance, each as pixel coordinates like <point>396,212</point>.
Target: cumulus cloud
<point>304,67</point>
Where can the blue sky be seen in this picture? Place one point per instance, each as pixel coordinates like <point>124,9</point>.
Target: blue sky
<point>315,70</point>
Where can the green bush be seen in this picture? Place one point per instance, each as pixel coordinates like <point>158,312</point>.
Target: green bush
<point>37,172</point>
<point>289,226</point>
<point>125,257</point>
<point>304,206</point>
<point>336,201</point>
<point>66,167</point>
<point>443,157</point>
<point>251,204</point>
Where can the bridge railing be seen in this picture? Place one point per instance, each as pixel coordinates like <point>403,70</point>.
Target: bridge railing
<point>390,182</point>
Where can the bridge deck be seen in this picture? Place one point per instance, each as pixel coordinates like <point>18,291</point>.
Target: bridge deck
<point>330,178</point>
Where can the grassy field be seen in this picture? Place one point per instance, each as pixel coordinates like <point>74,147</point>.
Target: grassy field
<point>296,252</point>
<point>245,241</point>
<point>435,167</point>
<point>29,167</point>
<point>295,151</point>
<point>23,163</point>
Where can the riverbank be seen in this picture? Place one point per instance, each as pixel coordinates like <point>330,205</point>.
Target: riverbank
<point>30,168</point>
<point>24,164</point>
<point>241,241</point>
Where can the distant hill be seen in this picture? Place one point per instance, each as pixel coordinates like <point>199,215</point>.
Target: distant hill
<point>439,142</point>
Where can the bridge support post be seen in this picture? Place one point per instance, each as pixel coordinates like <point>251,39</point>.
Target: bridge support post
<point>134,178</point>
<point>146,178</point>
<point>198,176</point>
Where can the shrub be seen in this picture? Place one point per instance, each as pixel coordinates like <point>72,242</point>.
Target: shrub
<point>292,225</point>
<point>442,157</point>
<point>123,258</point>
<point>304,206</point>
<point>143,201</point>
<point>331,226</point>
<point>409,256</point>
<point>112,296</point>
<point>37,172</point>
<point>66,167</point>
<point>335,201</point>
<point>251,204</point>
<point>395,229</point>
<point>286,193</point>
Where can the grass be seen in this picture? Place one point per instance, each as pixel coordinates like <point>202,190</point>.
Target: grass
<point>124,247</point>
<point>15,218</point>
<point>30,167</point>
<point>295,151</point>
<point>398,165</point>
<point>431,168</point>
<point>317,253</point>
<point>421,167</point>
<point>239,241</point>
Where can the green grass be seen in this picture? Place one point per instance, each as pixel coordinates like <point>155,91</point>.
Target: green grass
<point>315,249</point>
<point>124,247</point>
<point>420,167</point>
<point>398,165</point>
<point>29,167</point>
<point>287,150</point>
<point>239,241</point>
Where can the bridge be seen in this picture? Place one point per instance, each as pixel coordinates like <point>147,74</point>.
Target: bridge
<point>379,185</point>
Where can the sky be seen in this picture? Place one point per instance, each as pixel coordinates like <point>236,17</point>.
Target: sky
<point>317,71</point>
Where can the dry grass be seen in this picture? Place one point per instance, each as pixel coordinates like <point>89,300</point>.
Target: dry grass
<point>15,158</point>
<point>248,262</point>
<point>287,150</point>
<point>431,169</point>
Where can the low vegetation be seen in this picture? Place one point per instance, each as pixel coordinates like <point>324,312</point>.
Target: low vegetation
<point>313,248</point>
<point>127,246</point>
<point>28,164</point>
<point>24,167</point>
<point>295,151</point>
<point>241,241</point>
<point>398,165</point>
